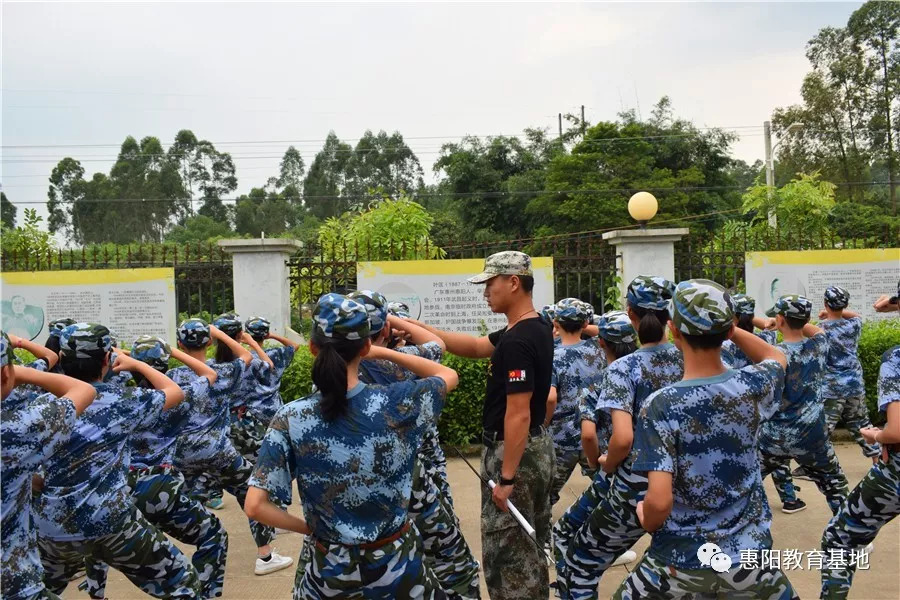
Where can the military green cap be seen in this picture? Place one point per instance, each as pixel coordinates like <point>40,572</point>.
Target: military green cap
<point>509,262</point>
<point>85,340</point>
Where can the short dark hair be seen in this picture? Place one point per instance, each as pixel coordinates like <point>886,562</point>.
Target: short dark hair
<point>570,327</point>
<point>705,342</point>
<point>620,349</point>
<point>745,322</point>
<point>527,282</point>
<point>795,323</point>
<point>84,369</point>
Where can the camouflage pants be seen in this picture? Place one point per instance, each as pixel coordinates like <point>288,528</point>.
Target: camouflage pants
<point>246,434</point>
<point>158,494</point>
<point>396,570</point>
<point>514,566</point>
<point>435,462</point>
<point>657,580</point>
<point>872,504</point>
<point>820,463</point>
<point>855,415</point>
<point>574,517</point>
<point>565,464</point>
<point>44,594</point>
<point>140,551</point>
<point>232,477</point>
<point>611,529</point>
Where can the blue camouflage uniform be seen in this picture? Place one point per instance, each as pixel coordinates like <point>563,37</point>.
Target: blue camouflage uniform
<point>354,475</point>
<point>613,526</point>
<point>797,429</point>
<point>872,504</point>
<point>732,356</point>
<point>32,429</point>
<point>85,508</point>
<point>703,431</point>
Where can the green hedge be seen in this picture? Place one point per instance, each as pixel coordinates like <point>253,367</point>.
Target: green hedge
<point>876,338</point>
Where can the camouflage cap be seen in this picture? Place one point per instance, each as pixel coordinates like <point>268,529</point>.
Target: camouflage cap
<point>7,356</point>
<point>549,313</point>
<point>743,304</point>
<point>650,292</point>
<point>836,297</point>
<point>258,327</point>
<point>339,317</point>
<point>570,311</point>
<point>792,305</point>
<point>55,327</point>
<point>509,262</point>
<point>152,350</point>
<point>85,340</point>
<point>616,327</point>
<point>194,333</point>
<point>376,306</point>
<point>701,307</point>
<point>589,309</point>
<point>229,323</point>
<point>399,309</point>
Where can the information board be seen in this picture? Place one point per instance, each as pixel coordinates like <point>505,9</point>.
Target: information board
<point>866,274</point>
<point>437,292</point>
<point>130,302</point>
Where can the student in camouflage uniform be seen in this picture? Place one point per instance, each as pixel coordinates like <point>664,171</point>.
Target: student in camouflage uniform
<point>205,453</point>
<point>54,330</point>
<point>446,551</point>
<point>875,501</point>
<point>577,364</point>
<point>32,429</point>
<point>613,526</point>
<point>351,449</point>
<point>616,338</point>
<point>85,508</point>
<point>797,429</point>
<point>696,440</point>
<point>744,318</point>
<point>265,400</point>
<point>157,487</point>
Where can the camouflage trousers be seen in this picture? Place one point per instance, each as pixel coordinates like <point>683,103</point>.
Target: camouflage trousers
<point>395,570</point>
<point>565,464</point>
<point>819,462</point>
<point>140,551</point>
<point>435,462</point>
<point>44,594</point>
<point>246,433</point>
<point>158,494</point>
<point>514,566</point>
<point>853,412</point>
<point>231,476</point>
<point>574,517</point>
<point>872,504</point>
<point>656,580</point>
<point>611,529</point>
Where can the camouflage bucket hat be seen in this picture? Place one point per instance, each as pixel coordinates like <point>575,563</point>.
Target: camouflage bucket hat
<point>7,357</point>
<point>504,263</point>
<point>194,333</point>
<point>792,305</point>
<point>571,311</point>
<point>55,328</point>
<point>650,292</point>
<point>339,317</point>
<point>743,304</point>
<point>702,307</point>
<point>548,313</point>
<point>376,306</point>
<point>836,297</point>
<point>152,350</point>
<point>229,323</point>
<point>85,340</point>
<point>399,309</point>
<point>257,327</point>
<point>616,327</point>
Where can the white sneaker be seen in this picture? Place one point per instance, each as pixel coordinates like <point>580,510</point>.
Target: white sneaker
<point>869,547</point>
<point>276,562</point>
<point>625,558</point>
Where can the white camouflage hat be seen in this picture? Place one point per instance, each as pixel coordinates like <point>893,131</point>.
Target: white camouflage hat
<point>509,262</point>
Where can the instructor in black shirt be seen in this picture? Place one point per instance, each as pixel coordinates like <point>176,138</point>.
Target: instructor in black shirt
<point>518,451</point>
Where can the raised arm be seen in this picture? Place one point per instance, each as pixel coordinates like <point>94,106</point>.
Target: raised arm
<point>246,338</point>
<point>418,335</point>
<point>422,367</point>
<point>283,340</point>
<point>79,392</point>
<point>197,366</point>
<point>809,330</point>
<point>174,394</point>
<point>460,344</point>
<point>36,349</point>
<point>238,350</point>
<point>764,323</point>
<point>757,349</point>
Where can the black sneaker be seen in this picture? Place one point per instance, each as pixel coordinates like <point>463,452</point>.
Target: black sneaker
<point>792,507</point>
<point>800,473</point>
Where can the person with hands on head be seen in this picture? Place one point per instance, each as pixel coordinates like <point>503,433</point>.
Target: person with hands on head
<point>745,318</point>
<point>518,450</point>
<point>887,303</point>
<point>32,428</point>
<point>45,358</point>
<point>265,399</point>
<point>350,447</point>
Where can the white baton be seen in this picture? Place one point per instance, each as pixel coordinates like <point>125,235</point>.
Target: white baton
<point>515,513</point>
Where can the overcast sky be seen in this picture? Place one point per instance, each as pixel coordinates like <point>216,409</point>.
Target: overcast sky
<point>92,74</point>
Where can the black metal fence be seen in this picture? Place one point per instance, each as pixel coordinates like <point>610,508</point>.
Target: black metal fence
<point>203,272</point>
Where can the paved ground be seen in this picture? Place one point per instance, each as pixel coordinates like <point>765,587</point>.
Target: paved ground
<point>800,531</point>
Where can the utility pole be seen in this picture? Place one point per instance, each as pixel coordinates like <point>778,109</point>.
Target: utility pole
<point>770,171</point>
<point>582,121</point>
<point>560,125</point>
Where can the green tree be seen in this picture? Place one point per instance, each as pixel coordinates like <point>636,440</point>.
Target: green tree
<point>198,228</point>
<point>802,208</point>
<point>383,162</point>
<point>326,179</point>
<point>291,169</point>
<point>29,240</point>
<point>205,171</point>
<point>7,212</point>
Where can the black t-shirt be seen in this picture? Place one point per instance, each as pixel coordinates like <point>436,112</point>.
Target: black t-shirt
<point>522,362</point>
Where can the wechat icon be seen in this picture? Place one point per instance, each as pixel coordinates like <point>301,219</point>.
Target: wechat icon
<point>710,555</point>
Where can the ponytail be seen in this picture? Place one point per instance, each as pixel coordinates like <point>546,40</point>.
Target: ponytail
<point>223,353</point>
<point>652,325</point>
<point>329,372</point>
<point>745,322</point>
<point>620,349</point>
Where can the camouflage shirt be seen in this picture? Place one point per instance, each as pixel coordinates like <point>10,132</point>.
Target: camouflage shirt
<point>843,371</point>
<point>85,493</point>
<point>575,368</point>
<point>589,411</point>
<point>263,398</point>
<point>889,378</point>
<point>735,358</point>
<point>23,393</point>
<point>255,374</point>
<point>800,418</point>
<point>703,431</point>
<point>354,474</point>
<point>31,430</point>
<point>156,445</point>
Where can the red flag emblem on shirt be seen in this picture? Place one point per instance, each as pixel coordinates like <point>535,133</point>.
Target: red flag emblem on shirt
<point>517,375</point>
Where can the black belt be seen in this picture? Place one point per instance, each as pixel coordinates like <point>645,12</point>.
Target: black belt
<point>489,438</point>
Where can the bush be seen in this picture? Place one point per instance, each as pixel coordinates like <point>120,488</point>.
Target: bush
<point>461,419</point>
<point>877,337</point>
